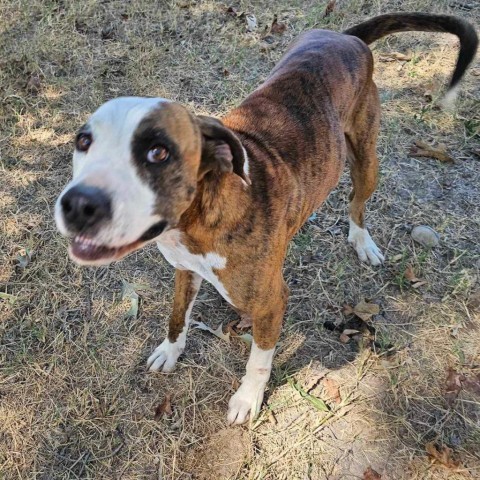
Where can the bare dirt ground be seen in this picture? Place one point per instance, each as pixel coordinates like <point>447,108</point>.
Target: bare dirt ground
<point>401,397</point>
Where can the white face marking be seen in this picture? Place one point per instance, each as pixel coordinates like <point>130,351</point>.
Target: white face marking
<point>109,166</point>
<point>179,256</point>
<point>165,356</point>
<point>365,247</point>
<point>248,398</point>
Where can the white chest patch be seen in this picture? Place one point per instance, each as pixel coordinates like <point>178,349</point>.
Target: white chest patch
<point>178,255</point>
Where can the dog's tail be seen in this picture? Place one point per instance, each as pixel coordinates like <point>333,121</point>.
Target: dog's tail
<point>383,25</point>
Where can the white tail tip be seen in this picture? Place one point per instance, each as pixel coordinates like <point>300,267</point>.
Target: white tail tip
<point>449,100</point>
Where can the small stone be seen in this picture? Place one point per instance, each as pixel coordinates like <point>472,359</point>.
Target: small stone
<point>425,236</point>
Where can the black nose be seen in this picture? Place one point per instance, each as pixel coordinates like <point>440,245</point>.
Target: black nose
<point>84,206</point>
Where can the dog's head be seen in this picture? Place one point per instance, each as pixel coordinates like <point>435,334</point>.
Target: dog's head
<point>136,167</point>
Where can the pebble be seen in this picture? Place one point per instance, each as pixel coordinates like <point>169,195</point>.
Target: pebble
<point>425,236</point>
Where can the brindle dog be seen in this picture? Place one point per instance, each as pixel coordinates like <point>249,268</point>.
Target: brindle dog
<point>222,199</point>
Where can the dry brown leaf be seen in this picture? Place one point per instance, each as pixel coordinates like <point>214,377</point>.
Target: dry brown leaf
<point>332,390</point>
<point>347,310</point>
<point>329,8</point>
<point>423,149</point>
<point>365,310</point>
<point>277,27</point>
<point>395,56</point>
<point>344,338</point>
<point>453,385</point>
<point>443,456</point>
<point>371,474</point>
<point>232,11</point>
<point>410,274</point>
<point>164,408</point>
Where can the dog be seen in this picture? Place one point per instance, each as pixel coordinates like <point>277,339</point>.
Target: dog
<point>223,198</point>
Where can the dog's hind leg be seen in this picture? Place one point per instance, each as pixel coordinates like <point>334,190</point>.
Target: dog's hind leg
<point>361,143</point>
<point>165,356</point>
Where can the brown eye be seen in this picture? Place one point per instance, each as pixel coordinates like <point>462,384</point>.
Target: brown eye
<point>157,154</point>
<point>84,140</point>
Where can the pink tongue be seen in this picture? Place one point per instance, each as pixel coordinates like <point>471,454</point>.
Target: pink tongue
<point>91,252</point>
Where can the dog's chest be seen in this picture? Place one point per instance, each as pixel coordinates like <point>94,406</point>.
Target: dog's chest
<point>178,255</point>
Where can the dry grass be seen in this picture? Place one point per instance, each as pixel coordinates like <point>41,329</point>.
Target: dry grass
<point>76,401</point>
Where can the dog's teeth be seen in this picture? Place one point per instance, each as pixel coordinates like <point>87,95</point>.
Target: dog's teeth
<point>85,242</point>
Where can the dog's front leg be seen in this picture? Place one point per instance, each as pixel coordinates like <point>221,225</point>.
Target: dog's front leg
<point>165,356</point>
<point>266,330</point>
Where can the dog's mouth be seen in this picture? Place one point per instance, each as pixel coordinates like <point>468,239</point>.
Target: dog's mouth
<point>85,250</point>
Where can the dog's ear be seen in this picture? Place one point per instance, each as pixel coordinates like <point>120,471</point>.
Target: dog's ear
<point>221,149</point>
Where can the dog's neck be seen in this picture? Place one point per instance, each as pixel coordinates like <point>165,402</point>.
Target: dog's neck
<point>221,200</point>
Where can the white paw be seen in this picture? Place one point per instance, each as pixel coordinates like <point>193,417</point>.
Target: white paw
<point>365,247</point>
<point>246,402</point>
<point>165,356</point>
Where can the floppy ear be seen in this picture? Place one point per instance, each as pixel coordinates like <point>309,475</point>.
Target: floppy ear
<point>221,149</point>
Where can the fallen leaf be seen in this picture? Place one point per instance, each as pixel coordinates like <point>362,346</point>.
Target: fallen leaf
<point>232,11</point>
<point>350,331</point>
<point>453,385</point>
<point>128,292</point>
<point>235,384</point>
<point>422,149</point>
<point>164,408</point>
<point>442,455</point>
<point>395,56</point>
<point>348,310</point>
<point>366,310</point>
<point>344,338</point>
<point>218,332</point>
<point>332,390</point>
<point>277,27</point>
<point>371,474</point>
<point>329,8</point>
<point>318,403</point>
<point>410,274</point>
